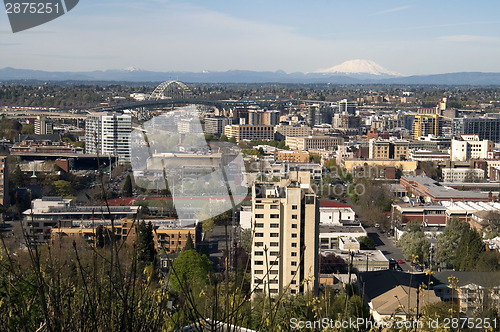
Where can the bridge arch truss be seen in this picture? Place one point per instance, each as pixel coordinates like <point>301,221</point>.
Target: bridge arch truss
<point>171,90</point>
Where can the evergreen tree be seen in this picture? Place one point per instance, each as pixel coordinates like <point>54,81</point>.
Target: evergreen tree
<point>145,243</point>
<point>127,187</point>
<point>100,236</point>
<point>189,242</point>
<point>16,178</point>
<point>469,248</point>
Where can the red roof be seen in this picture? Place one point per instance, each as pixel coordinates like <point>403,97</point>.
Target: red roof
<point>128,201</point>
<point>327,203</point>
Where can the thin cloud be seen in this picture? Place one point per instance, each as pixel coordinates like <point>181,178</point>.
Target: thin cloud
<point>469,39</point>
<point>393,10</point>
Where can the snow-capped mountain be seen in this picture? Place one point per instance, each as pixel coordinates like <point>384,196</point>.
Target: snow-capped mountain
<point>359,67</point>
<point>132,69</point>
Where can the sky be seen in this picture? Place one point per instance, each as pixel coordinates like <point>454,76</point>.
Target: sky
<point>410,37</point>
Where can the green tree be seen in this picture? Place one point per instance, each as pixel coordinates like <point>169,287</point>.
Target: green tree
<point>28,129</point>
<point>127,187</point>
<point>189,242</point>
<point>414,244</point>
<point>246,240</point>
<point>488,261</point>
<point>145,243</point>
<point>447,242</point>
<point>331,164</point>
<point>190,270</point>
<point>469,248</point>
<point>366,242</point>
<point>16,178</point>
<point>282,145</point>
<point>63,188</point>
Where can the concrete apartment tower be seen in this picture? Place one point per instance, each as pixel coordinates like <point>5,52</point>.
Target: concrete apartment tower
<point>109,135</point>
<point>285,247</point>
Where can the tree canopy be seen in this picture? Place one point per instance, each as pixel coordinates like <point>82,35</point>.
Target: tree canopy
<point>414,244</point>
<point>190,270</point>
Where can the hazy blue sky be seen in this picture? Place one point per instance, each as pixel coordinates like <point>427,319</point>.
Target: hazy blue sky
<point>410,37</point>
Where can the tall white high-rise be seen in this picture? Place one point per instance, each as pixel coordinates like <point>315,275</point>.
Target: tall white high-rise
<point>43,126</point>
<point>108,134</point>
<point>285,223</point>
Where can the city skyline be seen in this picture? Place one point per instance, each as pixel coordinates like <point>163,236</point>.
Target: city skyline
<point>408,37</point>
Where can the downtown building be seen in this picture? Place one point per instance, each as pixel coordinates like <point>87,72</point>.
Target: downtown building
<point>108,134</point>
<point>314,142</point>
<point>215,125</point>
<point>388,149</point>
<point>285,224</point>
<point>487,128</point>
<point>347,107</point>
<point>43,126</point>
<point>427,124</point>
<point>249,132</point>
<point>471,147</point>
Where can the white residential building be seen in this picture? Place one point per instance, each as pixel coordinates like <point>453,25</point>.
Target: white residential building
<point>285,221</point>
<point>462,174</point>
<point>470,147</point>
<point>108,134</point>
<point>336,215</point>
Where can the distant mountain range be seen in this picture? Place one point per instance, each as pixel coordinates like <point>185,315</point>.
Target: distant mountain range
<point>350,72</point>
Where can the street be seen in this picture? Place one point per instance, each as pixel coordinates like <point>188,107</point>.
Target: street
<point>387,245</point>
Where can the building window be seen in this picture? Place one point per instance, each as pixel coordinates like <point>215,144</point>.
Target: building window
<point>294,254</point>
<point>294,263</point>
<point>273,272</point>
<point>294,216</point>
<point>259,262</point>
<point>294,235</point>
<point>259,253</point>
<point>274,281</point>
<point>259,216</point>
<point>275,216</point>
<point>294,225</point>
<point>259,225</point>
<point>274,253</point>
<point>258,272</point>
<point>273,291</point>
<point>274,225</point>
<point>259,206</point>
<point>293,291</point>
<point>259,234</point>
<point>259,244</point>
<point>294,207</point>
<point>273,244</point>
<point>275,234</point>
<point>294,245</point>
<point>274,207</point>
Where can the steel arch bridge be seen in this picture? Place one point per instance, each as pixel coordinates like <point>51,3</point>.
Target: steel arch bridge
<point>171,90</point>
